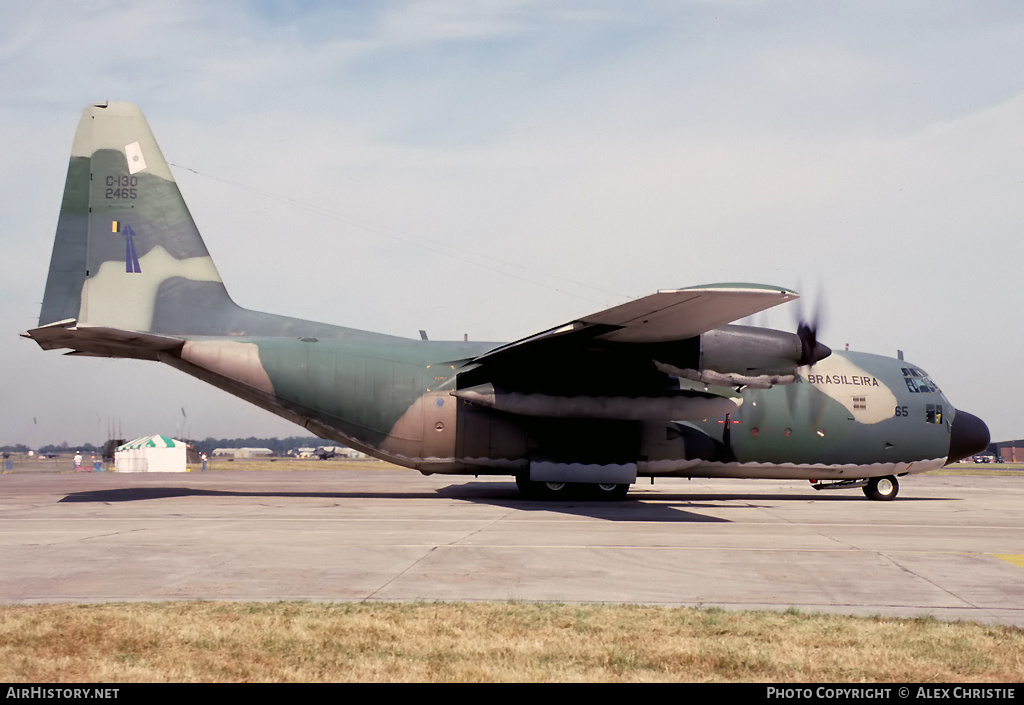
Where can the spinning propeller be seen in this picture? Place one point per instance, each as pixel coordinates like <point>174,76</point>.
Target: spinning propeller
<point>811,351</point>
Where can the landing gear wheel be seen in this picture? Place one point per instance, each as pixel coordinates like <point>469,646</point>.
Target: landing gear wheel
<point>531,489</point>
<point>554,490</point>
<point>882,489</point>
<point>611,492</point>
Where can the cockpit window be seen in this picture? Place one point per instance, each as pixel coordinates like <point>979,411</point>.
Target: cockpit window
<point>918,381</point>
<point>933,413</point>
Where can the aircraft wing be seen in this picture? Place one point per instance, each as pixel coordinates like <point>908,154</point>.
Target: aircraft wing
<point>618,363</point>
<point>669,315</point>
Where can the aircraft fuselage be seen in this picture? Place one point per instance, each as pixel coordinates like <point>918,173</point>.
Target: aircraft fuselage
<point>851,415</point>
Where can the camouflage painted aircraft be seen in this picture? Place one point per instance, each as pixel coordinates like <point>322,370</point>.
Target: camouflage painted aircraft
<point>658,386</point>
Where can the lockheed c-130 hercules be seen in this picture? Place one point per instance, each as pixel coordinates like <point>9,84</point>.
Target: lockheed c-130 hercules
<point>658,386</point>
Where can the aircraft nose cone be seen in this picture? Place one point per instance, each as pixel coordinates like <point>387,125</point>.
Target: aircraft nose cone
<point>969,435</point>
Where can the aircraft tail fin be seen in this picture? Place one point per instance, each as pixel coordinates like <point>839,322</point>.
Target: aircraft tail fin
<point>129,273</point>
<point>127,254</point>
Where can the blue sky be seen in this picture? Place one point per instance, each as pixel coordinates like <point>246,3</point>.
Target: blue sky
<point>497,168</point>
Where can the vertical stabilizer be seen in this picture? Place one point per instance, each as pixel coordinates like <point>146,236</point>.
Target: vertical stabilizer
<point>127,254</point>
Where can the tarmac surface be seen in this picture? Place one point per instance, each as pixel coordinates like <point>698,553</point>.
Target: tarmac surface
<point>951,547</point>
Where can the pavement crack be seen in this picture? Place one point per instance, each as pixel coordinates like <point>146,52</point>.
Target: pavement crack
<point>433,549</point>
<point>400,573</point>
<point>915,574</point>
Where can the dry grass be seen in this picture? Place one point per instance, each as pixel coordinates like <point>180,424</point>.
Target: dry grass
<point>456,642</point>
<point>981,469</point>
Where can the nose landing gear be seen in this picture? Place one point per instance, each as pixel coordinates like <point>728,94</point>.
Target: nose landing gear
<point>882,489</point>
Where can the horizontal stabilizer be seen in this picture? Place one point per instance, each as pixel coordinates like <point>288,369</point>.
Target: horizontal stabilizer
<point>103,342</point>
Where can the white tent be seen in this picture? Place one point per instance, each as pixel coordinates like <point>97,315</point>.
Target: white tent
<point>150,454</point>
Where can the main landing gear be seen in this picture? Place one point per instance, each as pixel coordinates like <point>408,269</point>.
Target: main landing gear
<point>532,489</point>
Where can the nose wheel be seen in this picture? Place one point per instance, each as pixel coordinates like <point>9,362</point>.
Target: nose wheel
<point>882,489</point>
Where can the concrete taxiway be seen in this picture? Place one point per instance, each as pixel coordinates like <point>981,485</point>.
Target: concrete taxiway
<point>950,546</point>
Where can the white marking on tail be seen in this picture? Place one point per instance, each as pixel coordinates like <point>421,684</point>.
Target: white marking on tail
<point>136,162</point>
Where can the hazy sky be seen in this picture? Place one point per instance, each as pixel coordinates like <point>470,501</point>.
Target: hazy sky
<point>498,168</point>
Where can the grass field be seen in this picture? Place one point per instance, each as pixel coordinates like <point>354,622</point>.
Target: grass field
<point>979,469</point>
<point>487,642</point>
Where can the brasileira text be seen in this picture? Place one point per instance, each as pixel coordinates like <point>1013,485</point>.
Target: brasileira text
<point>850,380</point>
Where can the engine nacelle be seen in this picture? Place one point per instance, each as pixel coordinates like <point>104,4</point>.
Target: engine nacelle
<point>747,356</point>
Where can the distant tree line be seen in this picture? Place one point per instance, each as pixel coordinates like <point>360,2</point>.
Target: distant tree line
<point>280,446</point>
<point>16,448</point>
<point>61,448</point>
